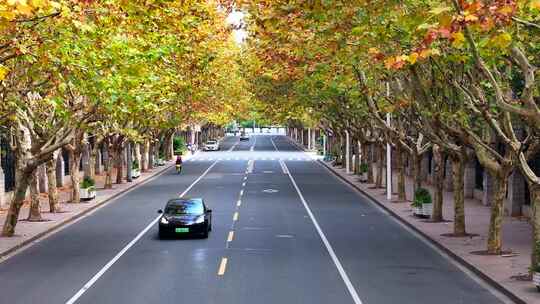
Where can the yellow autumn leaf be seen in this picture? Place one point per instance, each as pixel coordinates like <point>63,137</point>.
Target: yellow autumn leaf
<point>39,3</point>
<point>412,58</point>
<point>3,72</point>
<point>373,51</point>
<point>470,17</point>
<point>502,40</point>
<point>458,39</point>
<point>8,15</point>
<point>435,52</point>
<point>24,9</point>
<point>439,10</point>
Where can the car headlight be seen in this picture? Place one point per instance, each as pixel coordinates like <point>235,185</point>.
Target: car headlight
<point>199,220</point>
<point>164,220</point>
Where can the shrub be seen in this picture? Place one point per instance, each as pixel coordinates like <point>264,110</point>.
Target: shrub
<point>135,165</point>
<point>421,196</point>
<point>88,183</point>
<point>364,168</point>
<point>536,269</point>
<point>179,145</point>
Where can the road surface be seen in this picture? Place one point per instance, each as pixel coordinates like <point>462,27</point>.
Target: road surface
<point>285,230</point>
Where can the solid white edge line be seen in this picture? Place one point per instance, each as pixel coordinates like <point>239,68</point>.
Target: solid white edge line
<point>464,269</point>
<point>100,273</point>
<point>505,299</point>
<point>335,259</point>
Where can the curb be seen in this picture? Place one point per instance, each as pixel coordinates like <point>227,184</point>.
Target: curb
<point>441,247</point>
<point>5,254</point>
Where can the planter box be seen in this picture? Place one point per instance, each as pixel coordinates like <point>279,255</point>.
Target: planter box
<point>135,173</point>
<point>427,210</point>
<point>87,193</point>
<point>536,280</point>
<point>417,211</point>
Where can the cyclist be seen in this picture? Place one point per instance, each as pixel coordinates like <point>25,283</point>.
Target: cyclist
<point>179,163</point>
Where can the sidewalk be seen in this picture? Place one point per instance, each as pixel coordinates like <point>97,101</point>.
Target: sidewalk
<point>502,271</point>
<point>28,232</point>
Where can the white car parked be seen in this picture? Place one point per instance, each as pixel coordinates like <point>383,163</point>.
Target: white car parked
<point>211,145</point>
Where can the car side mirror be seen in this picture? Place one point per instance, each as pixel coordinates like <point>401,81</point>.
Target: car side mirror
<point>160,211</point>
<point>208,210</point>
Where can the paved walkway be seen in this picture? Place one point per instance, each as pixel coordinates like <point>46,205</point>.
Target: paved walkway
<point>517,237</point>
<point>28,232</point>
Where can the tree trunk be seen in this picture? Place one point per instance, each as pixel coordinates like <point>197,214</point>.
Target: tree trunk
<point>129,162</point>
<point>369,159</point>
<point>74,161</point>
<point>92,160</point>
<point>137,154</point>
<point>458,171</point>
<point>494,245</point>
<point>380,166</point>
<point>53,191</point>
<point>151,155</point>
<point>438,181</point>
<point>343,151</point>
<point>357,158</point>
<point>534,190</point>
<point>21,185</point>
<point>144,156</point>
<point>34,213</point>
<point>108,167</point>
<point>417,171</point>
<point>169,147</point>
<point>119,161</point>
<point>400,168</point>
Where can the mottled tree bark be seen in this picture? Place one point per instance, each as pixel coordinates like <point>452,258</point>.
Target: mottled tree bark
<point>380,166</point>
<point>53,191</point>
<point>74,161</point>
<point>370,162</point>
<point>34,213</point>
<point>417,171</point>
<point>119,161</point>
<point>497,207</point>
<point>535,218</point>
<point>400,170</point>
<point>458,171</point>
<point>21,185</point>
<point>144,156</point>
<point>108,166</point>
<point>438,183</point>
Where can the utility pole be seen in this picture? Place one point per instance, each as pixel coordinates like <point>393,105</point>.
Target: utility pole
<point>347,152</point>
<point>388,155</point>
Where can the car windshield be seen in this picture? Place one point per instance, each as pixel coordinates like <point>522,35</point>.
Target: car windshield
<point>211,142</point>
<point>187,207</point>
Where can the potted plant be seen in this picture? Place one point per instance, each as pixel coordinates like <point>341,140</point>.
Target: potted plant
<point>160,160</point>
<point>363,171</point>
<point>422,204</point>
<point>536,276</point>
<point>88,189</point>
<point>135,170</point>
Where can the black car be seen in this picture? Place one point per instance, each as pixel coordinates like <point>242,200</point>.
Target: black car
<point>183,216</point>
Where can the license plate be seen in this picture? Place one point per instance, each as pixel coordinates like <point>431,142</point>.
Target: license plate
<point>181,230</point>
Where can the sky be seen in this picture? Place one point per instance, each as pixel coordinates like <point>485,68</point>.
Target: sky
<point>236,18</point>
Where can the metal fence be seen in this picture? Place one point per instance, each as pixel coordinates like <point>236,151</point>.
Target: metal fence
<point>7,158</point>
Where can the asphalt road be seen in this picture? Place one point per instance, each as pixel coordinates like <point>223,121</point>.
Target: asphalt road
<point>285,230</point>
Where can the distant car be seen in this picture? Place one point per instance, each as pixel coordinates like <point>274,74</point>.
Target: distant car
<point>211,145</point>
<point>244,136</point>
<point>185,216</point>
